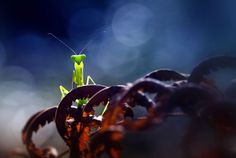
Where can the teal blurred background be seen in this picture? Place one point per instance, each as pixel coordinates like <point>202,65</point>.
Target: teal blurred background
<point>125,39</point>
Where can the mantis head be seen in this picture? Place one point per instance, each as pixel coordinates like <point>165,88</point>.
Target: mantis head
<point>78,58</point>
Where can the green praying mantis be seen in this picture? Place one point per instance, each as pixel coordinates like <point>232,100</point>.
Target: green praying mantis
<point>78,72</point>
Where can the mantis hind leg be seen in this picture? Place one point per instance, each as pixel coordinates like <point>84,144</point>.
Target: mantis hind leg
<point>89,79</point>
<point>105,108</point>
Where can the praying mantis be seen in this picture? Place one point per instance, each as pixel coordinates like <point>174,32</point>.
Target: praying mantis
<point>78,72</point>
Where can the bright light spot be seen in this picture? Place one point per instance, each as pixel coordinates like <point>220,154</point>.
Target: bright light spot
<point>114,57</point>
<point>133,24</point>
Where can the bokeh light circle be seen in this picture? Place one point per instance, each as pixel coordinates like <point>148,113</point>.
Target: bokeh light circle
<point>132,24</point>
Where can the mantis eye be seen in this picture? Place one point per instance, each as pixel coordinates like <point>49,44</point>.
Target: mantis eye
<point>78,58</point>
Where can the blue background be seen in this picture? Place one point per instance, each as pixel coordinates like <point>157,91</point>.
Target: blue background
<point>125,39</point>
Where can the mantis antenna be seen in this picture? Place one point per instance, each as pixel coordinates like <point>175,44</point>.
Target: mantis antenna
<point>51,34</point>
<point>82,50</point>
